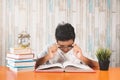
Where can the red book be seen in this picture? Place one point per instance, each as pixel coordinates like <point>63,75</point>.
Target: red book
<point>20,56</point>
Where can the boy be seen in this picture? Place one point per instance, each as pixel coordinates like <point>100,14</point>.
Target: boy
<point>64,49</point>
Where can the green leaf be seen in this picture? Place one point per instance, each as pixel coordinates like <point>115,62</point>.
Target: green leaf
<point>103,54</point>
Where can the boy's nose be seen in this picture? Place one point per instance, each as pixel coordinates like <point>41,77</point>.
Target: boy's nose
<point>65,50</point>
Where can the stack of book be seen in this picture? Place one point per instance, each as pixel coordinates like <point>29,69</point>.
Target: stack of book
<point>20,59</point>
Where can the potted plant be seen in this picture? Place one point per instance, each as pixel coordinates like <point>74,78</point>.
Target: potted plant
<point>103,56</point>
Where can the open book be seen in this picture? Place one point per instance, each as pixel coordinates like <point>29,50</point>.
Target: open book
<point>65,67</point>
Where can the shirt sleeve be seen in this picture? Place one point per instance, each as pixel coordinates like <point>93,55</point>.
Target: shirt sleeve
<point>43,52</point>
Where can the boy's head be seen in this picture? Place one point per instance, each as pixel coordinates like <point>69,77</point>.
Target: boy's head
<point>64,32</point>
<point>65,36</point>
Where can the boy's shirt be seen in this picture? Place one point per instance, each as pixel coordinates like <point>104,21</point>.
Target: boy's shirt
<point>60,56</point>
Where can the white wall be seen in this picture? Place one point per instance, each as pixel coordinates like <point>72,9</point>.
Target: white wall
<point>96,22</point>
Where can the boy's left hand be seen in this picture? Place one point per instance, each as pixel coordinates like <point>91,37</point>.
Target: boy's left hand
<point>77,51</point>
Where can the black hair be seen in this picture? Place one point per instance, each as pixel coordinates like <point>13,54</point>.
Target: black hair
<point>64,32</point>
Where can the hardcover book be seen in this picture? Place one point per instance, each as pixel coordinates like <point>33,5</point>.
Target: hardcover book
<point>21,69</point>
<point>20,56</point>
<point>21,64</point>
<point>20,50</point>
<point>65,67</point>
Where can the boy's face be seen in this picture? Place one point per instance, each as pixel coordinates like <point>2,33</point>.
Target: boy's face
<point>65,46</point>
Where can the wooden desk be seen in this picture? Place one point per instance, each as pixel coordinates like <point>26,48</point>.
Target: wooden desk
<point>112,74</point>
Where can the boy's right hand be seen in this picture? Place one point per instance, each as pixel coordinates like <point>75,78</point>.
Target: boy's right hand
<point>52,51</point>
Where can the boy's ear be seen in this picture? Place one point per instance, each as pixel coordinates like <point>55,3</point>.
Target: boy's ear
<point>74,44</point>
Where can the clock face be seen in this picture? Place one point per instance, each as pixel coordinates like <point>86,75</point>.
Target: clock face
<point>25,41</point>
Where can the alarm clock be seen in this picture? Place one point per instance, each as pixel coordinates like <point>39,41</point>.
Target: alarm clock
<point>24,39</point>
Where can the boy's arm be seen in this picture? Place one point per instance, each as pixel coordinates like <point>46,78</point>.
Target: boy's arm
<point>51,52</point>
<point>89,62</point>
<point>41,61</point>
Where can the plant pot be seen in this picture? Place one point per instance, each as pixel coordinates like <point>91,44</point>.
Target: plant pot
<point>104,65</point>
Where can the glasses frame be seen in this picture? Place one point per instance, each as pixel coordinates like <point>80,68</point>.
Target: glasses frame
<point>68,47</point>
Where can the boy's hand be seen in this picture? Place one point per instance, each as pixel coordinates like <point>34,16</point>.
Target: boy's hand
<point>52,51</point>
<point>77,51</point>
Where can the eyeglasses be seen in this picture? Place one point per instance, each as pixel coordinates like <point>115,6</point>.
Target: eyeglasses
<point>68,47</point>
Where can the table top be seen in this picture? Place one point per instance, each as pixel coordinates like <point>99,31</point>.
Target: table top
<point>111,74</point>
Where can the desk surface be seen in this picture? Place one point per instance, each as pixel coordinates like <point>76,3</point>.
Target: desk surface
<point>111,74</point>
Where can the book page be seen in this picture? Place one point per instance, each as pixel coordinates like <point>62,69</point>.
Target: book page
<point>57,67</point>
<point>52,69</point>
<point>75,67</point>
<point>65,64</point>
<point>48,66</point>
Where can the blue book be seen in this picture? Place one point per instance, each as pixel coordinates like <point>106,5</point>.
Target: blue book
<point>28,68</point>
<point>20,60</point>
